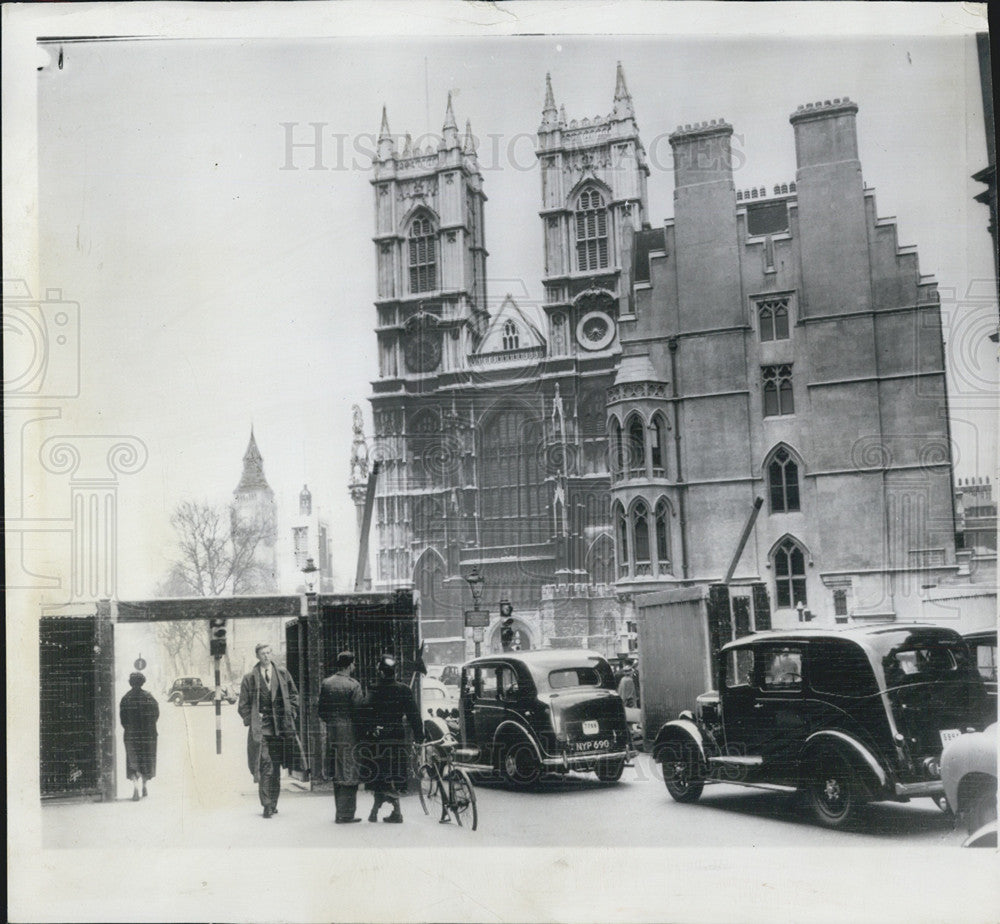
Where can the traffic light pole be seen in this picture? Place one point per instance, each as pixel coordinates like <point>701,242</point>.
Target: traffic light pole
<point>218,705</point>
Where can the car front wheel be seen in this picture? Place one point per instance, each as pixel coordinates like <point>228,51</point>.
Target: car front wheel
<point>681,771</point>
<point>177,699</point>
<point>832,791</point>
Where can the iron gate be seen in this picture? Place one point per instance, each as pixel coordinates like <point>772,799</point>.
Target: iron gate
<point>76,712</point>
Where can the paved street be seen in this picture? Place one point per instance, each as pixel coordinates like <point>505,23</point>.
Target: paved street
<point>204,800</point>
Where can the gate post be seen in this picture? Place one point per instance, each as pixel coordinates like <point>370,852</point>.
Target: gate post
<point>104,700</point>
<point>310,692</point>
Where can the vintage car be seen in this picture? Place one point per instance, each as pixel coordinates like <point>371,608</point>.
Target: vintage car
<point>450,675</point>
<point>983,644</point>
<point>845,716</point>
<point>969,775</point>
<point>435,696</point>
<point>191,691</point>
<point>544,710</point>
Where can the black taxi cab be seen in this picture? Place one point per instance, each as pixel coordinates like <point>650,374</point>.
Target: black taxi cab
<point>546,710</point>
<point>844,716</point>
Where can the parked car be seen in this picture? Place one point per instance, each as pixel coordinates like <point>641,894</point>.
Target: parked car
<point>543,710</point>
<point>969,775</point>
<point>191,691</point>
<point>845,716</point>
<point>450,675</point>
<point>434,696</point>
<point>983,644</point>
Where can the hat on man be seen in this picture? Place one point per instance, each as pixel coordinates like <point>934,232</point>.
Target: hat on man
<point>387,665</point>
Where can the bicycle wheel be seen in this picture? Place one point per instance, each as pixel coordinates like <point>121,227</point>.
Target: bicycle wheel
<point>427,786</point>
<point>463,798</point>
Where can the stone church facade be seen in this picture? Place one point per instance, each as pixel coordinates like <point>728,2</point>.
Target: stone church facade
<point>777,345</point>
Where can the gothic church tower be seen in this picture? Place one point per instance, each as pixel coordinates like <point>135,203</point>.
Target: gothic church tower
<point>593,195</point>
<point>253,501</point>
<point>430,250</point>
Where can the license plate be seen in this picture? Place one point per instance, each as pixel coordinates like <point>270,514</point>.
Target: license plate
<point>949,734</point>
<point>591,727</point>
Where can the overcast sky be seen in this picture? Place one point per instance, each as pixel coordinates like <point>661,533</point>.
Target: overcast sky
<point>218,290</point>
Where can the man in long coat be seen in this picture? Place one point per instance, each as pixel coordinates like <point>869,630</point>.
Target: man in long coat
<point>269,707</point>
<point>139,711</point>
<point>340,700</point>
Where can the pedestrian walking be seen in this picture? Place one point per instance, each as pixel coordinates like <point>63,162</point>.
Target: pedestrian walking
<point>340,702</point>
<point>390,706</point>
<point>269,707</point>
<point>139,711</point>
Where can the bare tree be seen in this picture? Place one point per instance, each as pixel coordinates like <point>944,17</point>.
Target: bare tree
<point>217,553</point>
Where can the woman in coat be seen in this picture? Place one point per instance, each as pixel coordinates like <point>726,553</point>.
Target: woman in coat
<point>139,711</point>
<point>390,706</point>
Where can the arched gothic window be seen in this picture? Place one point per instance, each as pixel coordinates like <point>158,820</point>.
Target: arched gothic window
<point>640,531</point>
<point>591,231</point>
<point>601,560</point>
<point>789,573</point>
<point>512,481</point>
<point>622,528</point>
<point>783,482</point>
<point>778,396</point>
<point>423,256</point>
<point>658,445</point>
<point>663,535</point>
<point>636,447</point>
<point>615,449</point>
<point>510,338</point>
<point>773,318</point>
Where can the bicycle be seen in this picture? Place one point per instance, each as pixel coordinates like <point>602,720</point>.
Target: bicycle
<point>439,778</point>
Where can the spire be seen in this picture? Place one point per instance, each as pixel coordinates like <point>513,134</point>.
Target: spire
<point>469,142</point>
<point>253,469</point>
<point>449,116</point>
<point>305,501</point>
<point>386,147</point>
<point>623,99</point>
<point>549,113</point>
<point>449,131</point>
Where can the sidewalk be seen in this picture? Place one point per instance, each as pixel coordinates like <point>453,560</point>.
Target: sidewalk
<point>200,799</point>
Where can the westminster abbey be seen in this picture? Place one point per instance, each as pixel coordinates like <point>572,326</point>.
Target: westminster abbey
<point>761,343</point>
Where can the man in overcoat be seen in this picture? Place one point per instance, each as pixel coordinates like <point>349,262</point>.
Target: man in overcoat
<point>340,701</point>
<point>269,707</point>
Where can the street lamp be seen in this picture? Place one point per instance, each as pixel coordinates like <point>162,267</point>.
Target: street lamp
<point>476,618</point>
<point>309,571</point>
<point>476,581</point>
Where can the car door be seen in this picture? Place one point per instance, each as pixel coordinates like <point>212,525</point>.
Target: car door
<point>482,710</point>
<point>778,720</point>
<point>738,696</point>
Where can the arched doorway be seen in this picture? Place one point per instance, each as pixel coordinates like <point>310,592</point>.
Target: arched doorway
<point>521,637</point>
